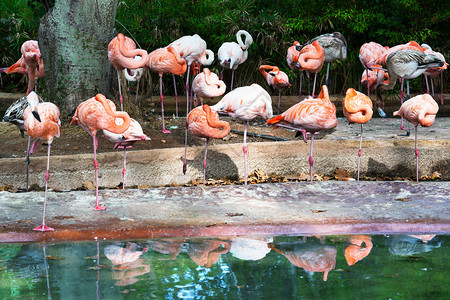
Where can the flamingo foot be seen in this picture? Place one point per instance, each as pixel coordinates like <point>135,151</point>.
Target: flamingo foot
<point>166,131</point>
<point>100,207</point>
<point>43,228</point>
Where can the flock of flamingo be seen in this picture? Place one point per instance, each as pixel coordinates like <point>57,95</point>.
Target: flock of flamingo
<point>383,65</point>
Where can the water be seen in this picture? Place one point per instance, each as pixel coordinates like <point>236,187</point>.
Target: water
<point>282,267</point>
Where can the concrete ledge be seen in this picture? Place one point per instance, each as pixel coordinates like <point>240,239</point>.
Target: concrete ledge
<point>265,209</point>
<point>164,166</point>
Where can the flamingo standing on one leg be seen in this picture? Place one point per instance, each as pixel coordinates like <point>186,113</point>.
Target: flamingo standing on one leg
<point>367,53</point>
<point>204,123</point>
<point>357,109</point>
<point>41,120</point>
<point>232,54</point>
<point>32,57</point>
<point>310,115</point>
<point>421,109</point>
<point>121,53</point>
<point>434,72</point>
<point>292,61</point>
<point>126,140</point>
<point>246,103</point>
<point>21,68</point>
<point>311,59</point>
<point>99,113</point>
<point>165,61</point>
<point>407,64</point>
<point>276,79</point>
<point>335,46</point>
<point>192,48</point>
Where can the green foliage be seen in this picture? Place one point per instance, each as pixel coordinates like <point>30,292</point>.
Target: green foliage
<point>274,25</point>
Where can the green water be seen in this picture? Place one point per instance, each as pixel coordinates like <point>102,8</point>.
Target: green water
<point>390,267</point>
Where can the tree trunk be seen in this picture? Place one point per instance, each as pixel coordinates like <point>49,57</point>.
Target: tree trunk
<point>73,39</point>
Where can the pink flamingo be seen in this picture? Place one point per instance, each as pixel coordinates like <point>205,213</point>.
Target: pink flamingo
<point>357,109</point>
<point>335,46</point>
<point>32,57</point>
<point>310,115</point>
<point>121,53</point>
<point>204,123</point>
<point>421,109</point>
<point>126,140</point>
<point>232,54</point>
<point>292,61</point>
<point>367,53</point>
<point>434,72</point>
<point>376,77</point>
<point>165,61</point>
<point>276,79</point>
<point>311,59</point>
<point>356,251</point>
<point>208,85</point>
<point>99,113</point>
<point>192,48</point>
<point>246,103</point>
<point>41,120</point>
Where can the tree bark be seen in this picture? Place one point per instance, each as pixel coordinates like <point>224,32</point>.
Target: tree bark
<point>73,39</point>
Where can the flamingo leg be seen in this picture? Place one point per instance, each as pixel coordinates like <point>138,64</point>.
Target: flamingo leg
<point>28,159</point>
<point>120,90</point>
<point>95,144</point>
<point>176,95</point>
<point>204,160</point>
<point>407,98</point>
<point>442,88</point>
<point>417,156</point>
<point>244,149</point>
<point>359,152</point>
<point>401,102</point>
<point>187,90</point>
<point>43,227</point>
<point>124,170</point>
<point>300,89</point>
<point>279,101</point>
<point>137,92</point>
<point>326,78</point>
<point>426,82</point>
<point>162,105</point>
<point>232,79</point>
<point>311,162</point>
<point>432,86</point>
<point>185,148</point>
<point>314,84</point>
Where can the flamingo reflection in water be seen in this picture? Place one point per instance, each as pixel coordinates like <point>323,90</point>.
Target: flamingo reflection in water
<point>205,252</point>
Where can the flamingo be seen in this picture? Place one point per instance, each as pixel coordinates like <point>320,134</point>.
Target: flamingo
<point>311,59</point>
<point>311,257</point>
<point>357,109</point>
<point>20,67</point>
<point>407,64</point>
<point>434,72</point>
<point>421,109</point>
<point>292,61</point>
<point>367,53</point>
<point>276,79</point>
<point>41,120</point>
<point>310,115</point>
<point>99,113</point>
<point>192,48</point>
<point>246,103</point>
<point>204,123</point>
<point>14,114</point>
<point>126,140</point>
<point>335,46</point>
<point>32,58</point>
<point>165,61</point>
<point>232,54</point>
<point>206,252</point>
<point>208,85</point>
<point>356,251</point>
<point>121,53</point>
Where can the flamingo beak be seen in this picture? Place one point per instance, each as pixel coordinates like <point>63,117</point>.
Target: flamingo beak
<point>36,115</point>
<point>144,137</point>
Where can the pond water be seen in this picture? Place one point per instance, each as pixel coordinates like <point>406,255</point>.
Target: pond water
<point>280,267</point>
